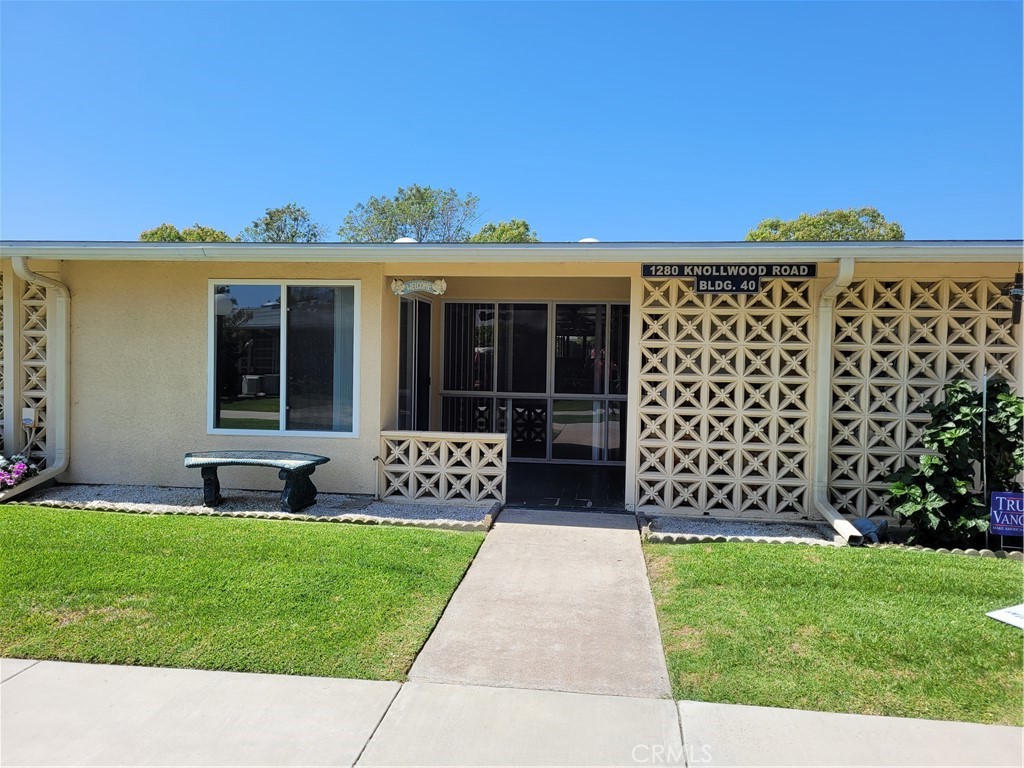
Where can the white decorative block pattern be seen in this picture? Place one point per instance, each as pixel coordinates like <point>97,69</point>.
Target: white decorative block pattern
<point>33,323</point>
<point>896,344</point>
<point>442,466</point>
<point>723,411</point>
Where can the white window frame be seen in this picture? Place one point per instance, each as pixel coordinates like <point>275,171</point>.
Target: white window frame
<point>211,362</point>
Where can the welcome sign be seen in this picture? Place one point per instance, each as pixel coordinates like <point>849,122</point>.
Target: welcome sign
<point>1006,513</point>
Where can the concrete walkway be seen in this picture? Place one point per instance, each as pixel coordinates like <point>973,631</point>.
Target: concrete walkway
<point>58,713</point>
<point>554,601</point>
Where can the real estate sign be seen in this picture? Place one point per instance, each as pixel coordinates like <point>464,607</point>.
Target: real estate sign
<point>1014,615</point>
<point>1006,513</point>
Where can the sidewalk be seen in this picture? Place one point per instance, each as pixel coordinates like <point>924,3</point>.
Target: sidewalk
<point>59,713</point>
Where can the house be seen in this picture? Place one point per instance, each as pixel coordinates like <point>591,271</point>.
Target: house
<point>763,381</point>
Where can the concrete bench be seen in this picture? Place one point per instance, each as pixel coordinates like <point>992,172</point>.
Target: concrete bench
<point>295,469</point>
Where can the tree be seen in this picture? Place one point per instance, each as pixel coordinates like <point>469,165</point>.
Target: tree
<point>197,233</point>
<point>512,231</point>
<point>846,224</point>
<point>290,223</point>
<point>425,214</point>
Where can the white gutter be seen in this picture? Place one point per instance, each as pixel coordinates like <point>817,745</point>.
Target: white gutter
<point>572,253</point>
<point>822,405</point>
<point>58,401</point>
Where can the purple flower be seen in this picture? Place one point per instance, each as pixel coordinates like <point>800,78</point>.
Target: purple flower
<point>14,469</point>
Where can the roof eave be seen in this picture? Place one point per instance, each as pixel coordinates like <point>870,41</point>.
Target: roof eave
<point>639,252</point>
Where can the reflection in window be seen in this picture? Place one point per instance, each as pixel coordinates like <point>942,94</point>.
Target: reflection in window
<point>522,347</point>
<point>587,430</point>
<point>467,414</point>
<point>616,450</point>
<point>618,346</point>
<point>559,397</point>
<point>406,363</point>
<point>580,351</point>
<point>469,347</point>
<point>320,358</point>
<point>529,433</point>
<point>577,430</point>
<point>319,370</point>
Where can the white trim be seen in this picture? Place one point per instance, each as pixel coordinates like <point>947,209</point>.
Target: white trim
<point>632,434</point>
<point>582,253</point>
<point>417,300</point>
<point>13,434</point>
<point>57,398</point>
<point>282,381</point>
<point>211,363</point>
<point>819,411</point>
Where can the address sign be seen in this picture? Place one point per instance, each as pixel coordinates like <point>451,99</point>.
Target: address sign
<point>731,278</point>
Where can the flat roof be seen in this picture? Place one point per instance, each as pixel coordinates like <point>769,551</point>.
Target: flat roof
<point>639,252</point>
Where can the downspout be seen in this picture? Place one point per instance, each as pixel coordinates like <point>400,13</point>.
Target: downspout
<point>58,393</point>
<point>822,401</point>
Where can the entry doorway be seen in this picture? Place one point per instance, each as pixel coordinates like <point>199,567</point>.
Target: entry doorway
<point>570,487</point>
<point>553,377</point>
<point>414,365</point>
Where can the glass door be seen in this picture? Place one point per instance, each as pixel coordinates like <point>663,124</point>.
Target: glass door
<point>414,365</point>
<point>589,388</point>
<point>552,376</point>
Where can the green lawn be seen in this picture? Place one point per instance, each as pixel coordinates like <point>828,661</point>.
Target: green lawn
<point>219,593</point>
<point>260,404</point>
<point>247,424</point>
<point>869,631</point>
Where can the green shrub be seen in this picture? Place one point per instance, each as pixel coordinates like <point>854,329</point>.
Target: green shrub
<point>942,497</point>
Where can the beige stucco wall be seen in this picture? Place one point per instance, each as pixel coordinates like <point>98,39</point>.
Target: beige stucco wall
<point>139,365</point>
<point>539,289</point>
<point>139,393</point>
<point>140,338</point>
<point>966,269</point>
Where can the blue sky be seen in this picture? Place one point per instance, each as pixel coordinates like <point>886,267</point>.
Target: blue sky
<point>621,121</point>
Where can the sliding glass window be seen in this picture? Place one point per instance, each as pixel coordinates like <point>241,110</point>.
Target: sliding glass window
<point>284,358</point>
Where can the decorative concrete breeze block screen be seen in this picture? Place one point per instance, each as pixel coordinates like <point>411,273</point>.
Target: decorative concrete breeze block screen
<point>442,466</point>
<point>896,344</point>
<point>23,360</point>
<point>723,401</point>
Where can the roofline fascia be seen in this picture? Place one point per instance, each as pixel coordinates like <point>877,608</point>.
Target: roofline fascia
<point>901,250</point>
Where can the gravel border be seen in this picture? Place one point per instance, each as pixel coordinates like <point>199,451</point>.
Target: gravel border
<point>683,530</point>
<point>1009,554</point>
<point>686,530</point>
<point>263,505</point>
